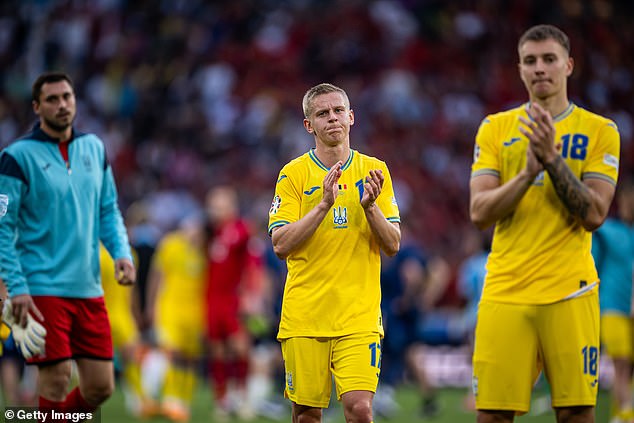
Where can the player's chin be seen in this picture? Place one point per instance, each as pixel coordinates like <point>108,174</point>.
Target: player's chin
<point>542,92</point>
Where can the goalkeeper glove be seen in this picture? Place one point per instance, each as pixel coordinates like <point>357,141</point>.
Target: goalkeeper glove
<point>31,339</point>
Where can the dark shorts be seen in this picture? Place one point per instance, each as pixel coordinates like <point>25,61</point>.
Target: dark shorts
<point>76,328</point>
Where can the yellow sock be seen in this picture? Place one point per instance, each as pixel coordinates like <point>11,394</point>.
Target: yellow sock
<point>189,384</point>
<point>170,386</point>
<point>180,384</point>
<point>132,377</point>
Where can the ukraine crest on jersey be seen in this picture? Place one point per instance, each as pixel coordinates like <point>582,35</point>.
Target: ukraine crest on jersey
<point>539,255</point>
<point>333,286</point>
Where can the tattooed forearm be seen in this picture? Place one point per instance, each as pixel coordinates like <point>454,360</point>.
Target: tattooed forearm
<point>572,192</point>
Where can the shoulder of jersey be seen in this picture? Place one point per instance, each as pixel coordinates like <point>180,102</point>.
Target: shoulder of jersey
<point>297,161</point>
<point>367,158</point>
<point>505,115</point>
<point>290,167</point>
<point>599,120</point>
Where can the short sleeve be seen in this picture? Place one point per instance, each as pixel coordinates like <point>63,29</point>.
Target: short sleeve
<point>603,162</point>
<point>285,207</point>
<point>387,199</point>
<point>485,151</point>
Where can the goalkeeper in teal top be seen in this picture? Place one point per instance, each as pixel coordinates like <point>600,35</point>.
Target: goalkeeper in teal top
<point>57,201</point>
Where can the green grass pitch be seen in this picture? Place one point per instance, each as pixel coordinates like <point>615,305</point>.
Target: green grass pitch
<point>450,403</point>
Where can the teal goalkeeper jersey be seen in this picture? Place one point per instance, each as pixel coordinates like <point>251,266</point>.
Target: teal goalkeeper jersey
<point>613,252</point>
<point>52,217</point>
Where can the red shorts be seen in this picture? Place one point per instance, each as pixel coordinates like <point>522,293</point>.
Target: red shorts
<point>223,320</point>
<point>76,328</point>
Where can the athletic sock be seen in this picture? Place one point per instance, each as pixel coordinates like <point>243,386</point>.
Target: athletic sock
<point>219,377</point>
<point>47,406</point>
<point>75,402</point>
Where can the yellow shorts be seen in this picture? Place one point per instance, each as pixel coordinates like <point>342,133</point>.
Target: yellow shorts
<point>181,332</point>
<point>123,328</point>
<point>514,342</point>
<point>310,364</point>
<point>616,335</point>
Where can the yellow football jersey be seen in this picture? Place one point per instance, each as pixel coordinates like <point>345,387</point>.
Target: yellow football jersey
<point>332,287</point>
<point>539,253</point>
<point>181,296</point>
<point>117,297</point>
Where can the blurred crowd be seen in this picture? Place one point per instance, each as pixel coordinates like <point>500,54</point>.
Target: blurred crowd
<point>192,94</point>
<point>189,94</point>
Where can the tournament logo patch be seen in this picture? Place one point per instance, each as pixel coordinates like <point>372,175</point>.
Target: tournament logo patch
<point>474,385</point>
<point>4,204</point>
<point>275,205</point>
<point>476,153</point>
<point>611,160</point>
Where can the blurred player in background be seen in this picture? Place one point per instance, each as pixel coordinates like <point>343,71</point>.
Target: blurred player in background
<point>176,290</point>
<point>405,279</point>
<point>471,274</point>
<point>58,199</point>
<point>125,335</point>
<point>144,237</point>
<point>613,252</point>
<point>333,212</point>
<point>231,287</point>
<point>544,174</point>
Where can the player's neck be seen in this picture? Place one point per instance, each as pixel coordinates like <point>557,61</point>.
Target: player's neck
<point>329,155</point>
<point>62,136</point>
<point>555,105</point>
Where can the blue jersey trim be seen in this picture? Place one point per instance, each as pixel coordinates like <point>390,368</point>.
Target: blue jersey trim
<point>311,154</point>
<point>10,167</point>
<point>346,165</point>
<point>315,159</point>
<point>277,225</point>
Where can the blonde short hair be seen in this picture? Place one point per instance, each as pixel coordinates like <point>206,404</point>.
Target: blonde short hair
<point>323,88</point>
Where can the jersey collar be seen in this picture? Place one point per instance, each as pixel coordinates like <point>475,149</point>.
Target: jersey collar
<point>315,159</point>
<point>558,118</point>
<point>39,135</point>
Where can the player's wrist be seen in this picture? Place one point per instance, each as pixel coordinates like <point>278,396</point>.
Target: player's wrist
<point>527,176</point>
<point>550,158</point>
<point>325,205</point>
<point>369,207</point>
